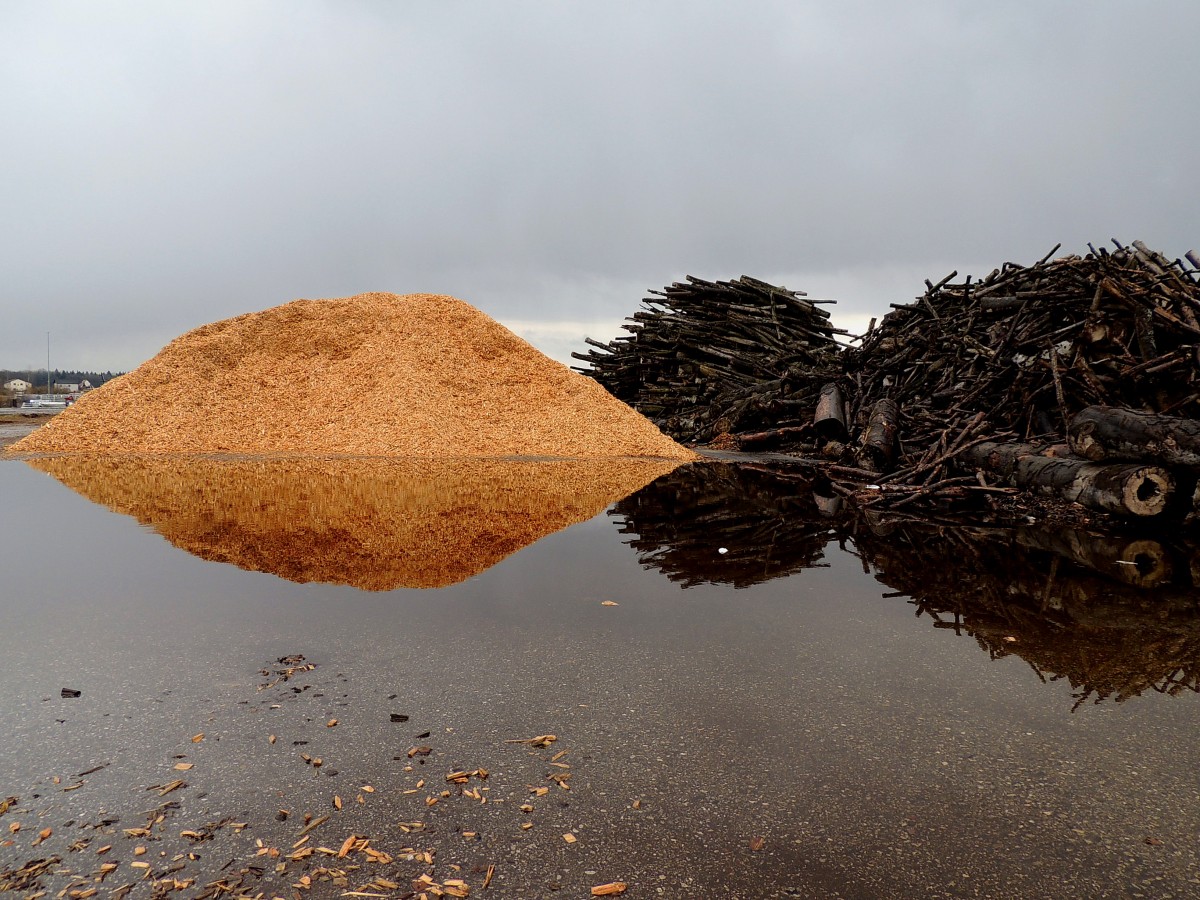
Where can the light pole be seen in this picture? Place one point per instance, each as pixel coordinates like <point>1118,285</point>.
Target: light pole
<point>47,365</point>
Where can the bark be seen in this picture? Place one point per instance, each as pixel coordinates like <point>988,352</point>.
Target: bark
<point>879,438</point>
<point>1105,432</point>
<point>1123,489</point>
<point>829,419</point>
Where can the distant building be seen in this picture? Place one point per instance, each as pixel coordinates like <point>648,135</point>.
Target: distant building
<point>67,387</point>
<point>17,385</point>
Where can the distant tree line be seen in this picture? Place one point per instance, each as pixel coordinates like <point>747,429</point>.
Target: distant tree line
<point>37,377</point>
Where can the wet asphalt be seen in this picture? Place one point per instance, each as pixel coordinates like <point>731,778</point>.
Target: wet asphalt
<point>862,752</point>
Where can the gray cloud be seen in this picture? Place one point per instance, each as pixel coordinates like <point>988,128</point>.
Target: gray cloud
<point>166,165</point>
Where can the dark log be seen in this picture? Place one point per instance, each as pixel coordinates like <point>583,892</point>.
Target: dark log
<point>829,419</point>
<point>879,438</point>
<point>760,438</point>
<point>1128,490</point>
<point>1105,432</point>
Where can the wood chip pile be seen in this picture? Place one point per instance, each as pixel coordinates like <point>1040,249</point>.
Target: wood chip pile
<point>375,374</point>
<point>711,357</point>
<point>374,523</point>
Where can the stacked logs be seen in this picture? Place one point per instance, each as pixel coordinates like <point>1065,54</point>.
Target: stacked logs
<point>1033,345</point>
<point>705,358</point>
<point>990,375</point>
<point>974,377</point>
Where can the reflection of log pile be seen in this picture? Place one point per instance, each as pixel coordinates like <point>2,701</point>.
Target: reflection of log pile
<point>727,356</point>
<point>374,523</point>
<point>767,524</point>
<point>1114,616</point>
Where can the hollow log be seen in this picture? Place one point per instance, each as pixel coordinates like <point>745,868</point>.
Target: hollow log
<point>1106,432</point>
<point>879,438</point>
<point>1126,490</point>
<point>830,416</point>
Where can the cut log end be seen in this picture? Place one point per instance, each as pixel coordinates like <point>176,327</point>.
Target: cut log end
<point>1147,491</point>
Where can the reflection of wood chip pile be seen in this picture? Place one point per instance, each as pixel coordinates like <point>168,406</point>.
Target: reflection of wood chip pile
<point>377,524</point>
<point>419,375</point>
<point>1011,359</point>
<point>1114,616</point>
<point>728,356</point>
<point>724,524</point>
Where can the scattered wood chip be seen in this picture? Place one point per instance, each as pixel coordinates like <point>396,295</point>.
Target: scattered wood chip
<point>331,723</point>
<point>319,820</point>
<point>337,802</point>
<point>42,835</point>
<point>197,738</point>
<point>757,843</point>
<point>609,603</point>
<point>487,879</point>
<point>419,751</point>
<point>570,838</point>
<point>183,767</point>
<point>542,740</point>
<point>609,890</point>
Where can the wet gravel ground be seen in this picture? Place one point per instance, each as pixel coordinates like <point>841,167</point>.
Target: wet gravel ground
<point>864,753</point>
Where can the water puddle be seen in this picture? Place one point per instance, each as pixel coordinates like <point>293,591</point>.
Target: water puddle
<point>353,677</point>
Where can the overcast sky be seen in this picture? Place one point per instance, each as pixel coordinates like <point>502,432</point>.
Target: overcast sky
<point>164,165</point>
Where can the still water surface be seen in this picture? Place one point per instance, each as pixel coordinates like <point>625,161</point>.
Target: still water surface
<point>883,710</point>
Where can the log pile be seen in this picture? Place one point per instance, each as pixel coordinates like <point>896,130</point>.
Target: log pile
<point>1017,356</point>
<point>901,418</point>
<point>1033,345</point>
<point>705,358</point>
